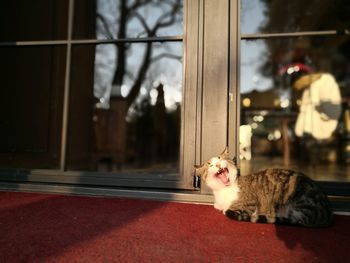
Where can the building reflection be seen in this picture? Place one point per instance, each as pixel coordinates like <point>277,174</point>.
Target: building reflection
<point>125,112</point>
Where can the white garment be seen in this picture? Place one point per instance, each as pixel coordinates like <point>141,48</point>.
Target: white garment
<point>245,142</point>
<point>320,108</point>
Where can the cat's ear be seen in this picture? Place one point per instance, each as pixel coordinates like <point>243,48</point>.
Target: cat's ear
<point>225,153</point>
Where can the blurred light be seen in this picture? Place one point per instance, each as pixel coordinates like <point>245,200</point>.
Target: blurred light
<point>277,134</point>
<point>285,103</point>
<point>274,136</point>
<point>172,96</point>
<point>298,102</point>
<point>246,102</point>
<point>156,83</point>
<point>124,90</point>
<point>254,125</point>
<point>168,101</point>
<point>153,94</point>
<point>143,91</point>
<point>263,112</point>
<point>258,118</point>
<point>290,70</point>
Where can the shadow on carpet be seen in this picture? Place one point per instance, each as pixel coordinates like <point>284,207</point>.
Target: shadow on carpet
<point>57,228</point>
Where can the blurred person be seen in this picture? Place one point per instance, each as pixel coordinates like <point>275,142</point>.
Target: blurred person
<point>320,106</point>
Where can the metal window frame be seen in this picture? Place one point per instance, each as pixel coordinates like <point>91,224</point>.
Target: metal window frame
<point>294,34</point>
<point>335,186</point>
<point>194,67</point>
<point>92,41</point>
<point>64,176</point>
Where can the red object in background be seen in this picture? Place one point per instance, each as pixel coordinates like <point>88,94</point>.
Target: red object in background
<point>56,228</point>
<point>301,68</point>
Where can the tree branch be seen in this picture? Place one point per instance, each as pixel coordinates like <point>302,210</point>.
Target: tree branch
<point>142,21</point>
<point>166,55</point>
<point>105,25</point>
<point>130,75</point>
<point>141,75</point>
<point>138,3</point>
<point>172,13</point>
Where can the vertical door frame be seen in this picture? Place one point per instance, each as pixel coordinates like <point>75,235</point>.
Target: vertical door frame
<point>215,65</point>
<point>234,77</point>
<point>210,110</point>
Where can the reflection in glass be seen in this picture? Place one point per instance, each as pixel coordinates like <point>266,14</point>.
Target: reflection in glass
<point>22,20</point>
<point>279,16</point>
<point>119,19</point>
<point>295,109</point>
<point>125,113</point>
<point>30,115</point>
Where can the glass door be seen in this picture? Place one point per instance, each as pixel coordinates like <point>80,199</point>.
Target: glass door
<point>103,84</point>
<point>295,88</point>
<point>125,102</point>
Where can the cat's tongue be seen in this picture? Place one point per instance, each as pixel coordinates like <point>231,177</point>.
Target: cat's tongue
<point>222,174</point>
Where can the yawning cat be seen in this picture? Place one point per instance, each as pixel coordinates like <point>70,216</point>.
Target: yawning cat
<point>272,196</point>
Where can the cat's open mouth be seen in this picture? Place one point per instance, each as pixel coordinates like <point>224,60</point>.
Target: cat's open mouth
<point>223,175</point>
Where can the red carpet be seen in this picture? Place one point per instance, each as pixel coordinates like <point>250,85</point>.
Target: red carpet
<point>56,228</point>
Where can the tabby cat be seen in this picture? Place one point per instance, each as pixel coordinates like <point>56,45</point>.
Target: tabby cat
<point>273,195</point>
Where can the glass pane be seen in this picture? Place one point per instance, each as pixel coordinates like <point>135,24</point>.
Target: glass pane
<point>295,106</point>
<point>125,108</point>
<point>117,19</point>
<point>32,81</point>
<point>23,20</point>
<point>279,16</point>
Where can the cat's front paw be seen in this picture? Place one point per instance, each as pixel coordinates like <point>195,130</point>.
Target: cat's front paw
<point>263,219</point>
<point>237,215</point>
<point>255,218</point>
<point>271,219</point>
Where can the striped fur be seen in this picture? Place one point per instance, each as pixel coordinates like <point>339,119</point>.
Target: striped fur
<point>273,195</point>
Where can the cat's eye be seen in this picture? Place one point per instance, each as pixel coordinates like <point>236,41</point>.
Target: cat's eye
<point>219,157</point>
<point>209,163</point>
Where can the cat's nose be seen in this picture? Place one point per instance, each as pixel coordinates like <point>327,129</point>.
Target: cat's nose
<point>218,165</point>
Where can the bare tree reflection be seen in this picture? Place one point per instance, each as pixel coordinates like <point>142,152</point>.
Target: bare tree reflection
<point>138,131</point>
<point>130,13</point>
